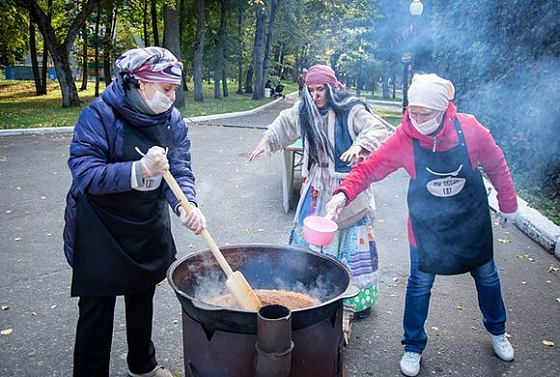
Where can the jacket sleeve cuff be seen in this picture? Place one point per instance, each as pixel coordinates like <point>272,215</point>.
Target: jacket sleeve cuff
<point>136,175</point>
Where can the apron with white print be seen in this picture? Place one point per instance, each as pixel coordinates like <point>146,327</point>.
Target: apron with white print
<point>449,211</point>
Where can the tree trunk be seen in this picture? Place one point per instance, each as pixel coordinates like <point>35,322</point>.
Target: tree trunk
<point>267,45</point>
<point>46,51</point>
<point>224,83</point>
<point>60,51</point>
<point>108,45</point>
<point>181,24</point>
<point>154,22</point>
<point>219,54</point>
<point>198,51</point>
<point>96,56</point>
<point>171,42</point>
<point>280,60</point>
<point>249,81</point>
<point>145,23</point>
<point>217,76</point>
<point>240,52</point>
<point>84,57</point>
<point>34,62</point>
<point>258,53</point>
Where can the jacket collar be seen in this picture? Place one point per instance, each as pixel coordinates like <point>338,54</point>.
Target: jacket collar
<point>114,95</point>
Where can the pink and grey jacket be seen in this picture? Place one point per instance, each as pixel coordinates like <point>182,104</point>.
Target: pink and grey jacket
<point>397,152</point>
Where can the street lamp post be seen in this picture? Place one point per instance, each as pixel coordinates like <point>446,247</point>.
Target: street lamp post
<point>359,83</point>
<point>415,8</point>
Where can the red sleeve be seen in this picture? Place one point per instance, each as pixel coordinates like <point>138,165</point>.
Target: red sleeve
<point>394,153</point>
<point>494,164</point>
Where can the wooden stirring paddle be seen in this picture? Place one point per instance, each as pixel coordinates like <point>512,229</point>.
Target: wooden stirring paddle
<point>236,283</point>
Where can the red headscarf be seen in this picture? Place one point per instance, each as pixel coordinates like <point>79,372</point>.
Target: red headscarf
<point>322,74</point>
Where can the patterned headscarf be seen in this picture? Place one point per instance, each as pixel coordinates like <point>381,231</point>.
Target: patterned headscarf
<point>322,74</point>
<point>151,64</point>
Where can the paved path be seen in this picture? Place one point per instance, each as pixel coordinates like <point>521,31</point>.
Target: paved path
<point>243,204</point>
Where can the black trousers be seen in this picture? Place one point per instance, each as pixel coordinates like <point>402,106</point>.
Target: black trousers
<point>94,334</point>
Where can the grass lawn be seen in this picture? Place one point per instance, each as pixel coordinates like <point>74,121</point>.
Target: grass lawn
<point>20,108</point>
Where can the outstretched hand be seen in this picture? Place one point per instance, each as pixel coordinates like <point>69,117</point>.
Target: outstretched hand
<point>354,155</point>
<point>506,219</point>
<point>261,148</point>
<point>335,206</point>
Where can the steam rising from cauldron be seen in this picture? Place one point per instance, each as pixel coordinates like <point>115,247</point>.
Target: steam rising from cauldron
<point>213,284</point>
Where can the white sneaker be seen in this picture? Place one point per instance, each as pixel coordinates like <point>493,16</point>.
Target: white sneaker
<point>502,347</point>
<point>410,363</point>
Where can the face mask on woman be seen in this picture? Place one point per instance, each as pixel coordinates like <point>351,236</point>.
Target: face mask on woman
<point>427,127</point>
<point>159,103</point>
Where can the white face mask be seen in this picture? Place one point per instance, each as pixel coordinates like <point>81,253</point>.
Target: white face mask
<point>428,126</point>
<point>159,103</point>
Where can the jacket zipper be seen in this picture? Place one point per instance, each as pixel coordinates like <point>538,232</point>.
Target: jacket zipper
<point>435,144</point>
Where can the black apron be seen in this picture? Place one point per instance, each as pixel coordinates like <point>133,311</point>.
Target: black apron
<point>123,241</point>
<point>449,211</point>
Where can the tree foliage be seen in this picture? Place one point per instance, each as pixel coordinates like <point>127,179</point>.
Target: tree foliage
<point>504,60</point>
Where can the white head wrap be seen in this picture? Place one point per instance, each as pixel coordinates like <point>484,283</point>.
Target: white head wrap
<point>431,91</point>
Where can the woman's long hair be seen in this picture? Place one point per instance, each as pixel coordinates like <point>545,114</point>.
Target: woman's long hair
<point>314,124</point>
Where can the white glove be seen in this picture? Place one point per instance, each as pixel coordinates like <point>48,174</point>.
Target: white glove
<point>155,161</point>
<point>335,206</point>
<point>507,218</point>
<point>194,220</point>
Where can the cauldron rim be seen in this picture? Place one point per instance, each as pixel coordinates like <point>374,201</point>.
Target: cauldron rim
<point>351,291</point>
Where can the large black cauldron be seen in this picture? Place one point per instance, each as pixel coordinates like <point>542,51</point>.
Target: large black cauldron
<point>198,276</point>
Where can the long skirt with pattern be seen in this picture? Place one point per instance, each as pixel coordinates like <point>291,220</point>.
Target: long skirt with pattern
<point>354,247</point>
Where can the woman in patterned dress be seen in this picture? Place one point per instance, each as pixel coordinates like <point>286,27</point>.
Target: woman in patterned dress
<point>337,130</point>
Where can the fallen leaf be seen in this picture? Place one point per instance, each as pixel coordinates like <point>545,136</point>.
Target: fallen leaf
<point>548,343</point>
<point>5,307</point>
<point>553,269</point>
<point>524,282</point>
<point>503,240</point>
<point>53,306</point>
<point>522,256</point>
<point>435,328</point>
<point>261,230</point>
<point>558,300</point>
<point>395,279</point>
<point>508,335</point>
<point>43,197</point>
<point>8,211</point>
<point>459,307</point>
<point>33,314</point>
<point>6,331</point>
<point>248,230</point>
<point>531,260</point>
<point>49,234</point>
<point>175,321</point>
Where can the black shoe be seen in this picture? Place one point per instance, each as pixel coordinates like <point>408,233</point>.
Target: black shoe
<point>362,314</point>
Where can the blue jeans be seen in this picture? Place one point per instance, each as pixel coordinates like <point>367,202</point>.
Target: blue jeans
<point>417,302</point>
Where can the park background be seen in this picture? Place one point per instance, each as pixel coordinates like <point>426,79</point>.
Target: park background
<point>503,58</point>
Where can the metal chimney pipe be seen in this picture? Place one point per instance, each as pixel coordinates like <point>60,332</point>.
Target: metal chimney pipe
<point>274,341</point>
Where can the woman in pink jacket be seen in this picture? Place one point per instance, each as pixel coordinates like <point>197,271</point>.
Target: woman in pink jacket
<point>450,230</point>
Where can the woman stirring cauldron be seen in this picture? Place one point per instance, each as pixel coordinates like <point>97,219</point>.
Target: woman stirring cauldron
<point>450,231</point>
<point>337,131</point>
<point>117,236</point>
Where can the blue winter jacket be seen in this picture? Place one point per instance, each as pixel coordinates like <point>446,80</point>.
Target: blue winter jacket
<point>97,146</point>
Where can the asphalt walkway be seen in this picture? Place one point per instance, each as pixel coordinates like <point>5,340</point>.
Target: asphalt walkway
<point>243,204</point>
